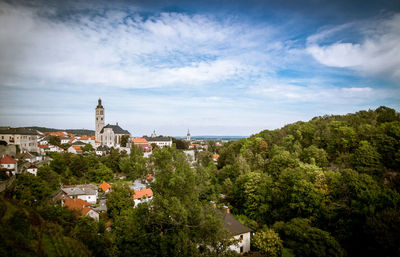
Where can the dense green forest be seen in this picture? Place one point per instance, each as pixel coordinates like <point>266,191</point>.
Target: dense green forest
<point>327,187</point>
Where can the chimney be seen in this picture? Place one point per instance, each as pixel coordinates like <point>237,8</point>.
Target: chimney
<point>227,209</point>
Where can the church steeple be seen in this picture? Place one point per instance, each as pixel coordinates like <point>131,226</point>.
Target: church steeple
<point>188,136</point>
<point>99,104</point>
<point>99,120</point>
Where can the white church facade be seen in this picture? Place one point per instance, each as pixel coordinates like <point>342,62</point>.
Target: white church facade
<point>109,135</point>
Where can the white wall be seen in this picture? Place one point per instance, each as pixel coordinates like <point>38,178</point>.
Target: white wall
<point>88,198</point>
<point>245,243</point>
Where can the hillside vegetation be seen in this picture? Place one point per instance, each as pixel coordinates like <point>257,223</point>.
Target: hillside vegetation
<point>329,187</point>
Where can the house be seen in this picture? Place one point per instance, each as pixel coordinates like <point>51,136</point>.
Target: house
<point>105,187</point>
<point>102,150</point>
<point>26,156</point>
<point>215,157</point>
<point>142,195</point>
<point>64,140</point>
<point>237,231</point>
<point>86,192</point>
<point>102,206</point>
<point>76,149</point>
<point>26,139</point>
<point>32,169</point>
<point>9,164</point>
<point>142,143</point>
<point>54,148</point>
<point>82,207</point>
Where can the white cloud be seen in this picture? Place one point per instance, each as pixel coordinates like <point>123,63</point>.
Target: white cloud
<point>124,50</point>
<point>318,93</point>
<point>378,53</point>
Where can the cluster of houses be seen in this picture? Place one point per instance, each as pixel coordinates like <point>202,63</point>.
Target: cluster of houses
<point>89,200</point>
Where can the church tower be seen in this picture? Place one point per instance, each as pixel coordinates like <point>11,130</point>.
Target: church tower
<point>188,136</point>
<point>99,120</point>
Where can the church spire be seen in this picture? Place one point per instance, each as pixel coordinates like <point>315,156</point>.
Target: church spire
<point>99,104</point>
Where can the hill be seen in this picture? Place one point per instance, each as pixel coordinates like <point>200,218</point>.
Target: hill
<point>78,132</point>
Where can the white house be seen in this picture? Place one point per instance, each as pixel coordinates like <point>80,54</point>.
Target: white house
<point>9,164</point>
<point>32,169</point>
<point>142,195</point>
<point>238,231</point>
<point>86,192</point>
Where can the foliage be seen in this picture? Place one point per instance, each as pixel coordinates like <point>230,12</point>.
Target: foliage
<point>306,240</point>
<point>120,199</point>
<point>267,241</point>
<point>124,140</point>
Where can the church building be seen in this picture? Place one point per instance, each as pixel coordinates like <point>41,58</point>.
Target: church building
<point>109,135</point>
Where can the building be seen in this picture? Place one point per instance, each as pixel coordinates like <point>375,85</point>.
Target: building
<point>142,195</point>
<point>9,164</point>
<point>160,141</point>
<point>142,143</point>
<point>76,149</point>
<point>32,169</point>
<point>236,230</point>
<point>81,207</point>
<point>109,135</point>
<point>86,192</point>
<point>102,150</point>
<point>188,136</point>
<point>99,120</point>
<point>26,139</point>
<point>105,187</point>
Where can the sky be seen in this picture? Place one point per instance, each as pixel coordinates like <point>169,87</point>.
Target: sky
<point>214,67</point>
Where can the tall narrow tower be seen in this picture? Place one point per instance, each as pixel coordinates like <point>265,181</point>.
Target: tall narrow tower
<point>188,136</point>
<point>99,119</point>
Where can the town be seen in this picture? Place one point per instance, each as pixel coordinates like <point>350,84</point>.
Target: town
<point>24,151</point>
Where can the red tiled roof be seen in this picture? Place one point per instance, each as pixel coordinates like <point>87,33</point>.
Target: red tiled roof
<point>76,204</point>
<point>104,186</point>
<point>215,156</point>
<point>139,140</point>
<point>77,148</point>
<point>7,160</point>
<point>149,176</point>
<point>43,146</point>
<point>84,137</point>
<point>147,192</point>
<point>93,137</point>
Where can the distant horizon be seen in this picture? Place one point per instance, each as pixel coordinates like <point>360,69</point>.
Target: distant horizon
<point>218,68</point>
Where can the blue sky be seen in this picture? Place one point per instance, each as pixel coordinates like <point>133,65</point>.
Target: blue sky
<point>215,67</point>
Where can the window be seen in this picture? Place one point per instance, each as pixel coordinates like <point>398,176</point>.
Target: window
<point>241,249</point>
<point>241,238</point>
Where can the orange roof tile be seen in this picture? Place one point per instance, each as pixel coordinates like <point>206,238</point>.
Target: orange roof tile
<point>215,156</point>
<point>84,137</point>
<point>7,160</point>
<point>77,148</point>
<point>104,186</point>
<point>93,137</point>
<point>147,192</point>
<point>149,176</point>
<point>43,146</point>
<point>76,204</point>
<point>139,140</point>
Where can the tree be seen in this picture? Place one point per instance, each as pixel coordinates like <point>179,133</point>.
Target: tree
<point>54,140</point>
<point>49,176</point>
<point>308,241</point>
<point>267,241</point>
<point>124,140</point>
<point>101,173</point>
<point>366,158</point>
<point>120,199</point>
<point>88,148</point>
